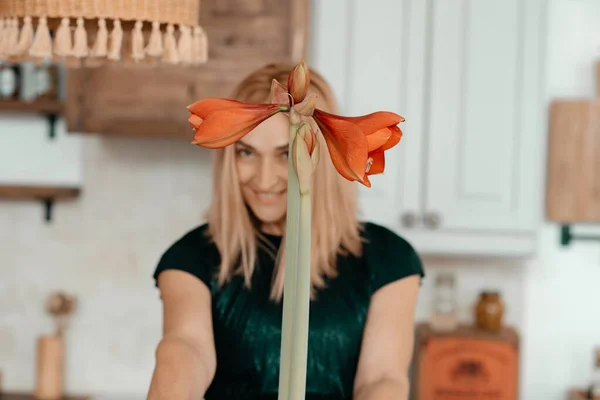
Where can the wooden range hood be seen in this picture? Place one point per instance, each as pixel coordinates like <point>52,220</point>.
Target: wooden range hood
<point>150,102</point>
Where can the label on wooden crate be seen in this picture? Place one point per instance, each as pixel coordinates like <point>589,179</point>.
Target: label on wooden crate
<point>465,368</point>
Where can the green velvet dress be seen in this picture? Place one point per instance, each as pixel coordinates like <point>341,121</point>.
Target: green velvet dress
<point>247,325</point>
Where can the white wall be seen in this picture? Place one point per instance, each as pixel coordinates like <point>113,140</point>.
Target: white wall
<point>562,315</point>
<point>141,195</point>
<point>138,197</point>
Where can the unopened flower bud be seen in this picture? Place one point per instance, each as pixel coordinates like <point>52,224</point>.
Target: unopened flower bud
<point>309,136</point>
<point>298,82</point>
<point>307,106</point>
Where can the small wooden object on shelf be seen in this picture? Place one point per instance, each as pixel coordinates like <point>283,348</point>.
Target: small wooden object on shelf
<point>50,363</point>
<point>470,361</point>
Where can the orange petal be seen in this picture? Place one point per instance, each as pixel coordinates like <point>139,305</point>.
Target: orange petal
<point>394,138</point>
<point>279,94</point>
<point>378,164</point>
<point>366,181</point>
<point>373,122</point>
<point>224,127</point>
<point>346,143</point>
<point>205,106</point>
<point>378,138</point>
<point>195,121</point>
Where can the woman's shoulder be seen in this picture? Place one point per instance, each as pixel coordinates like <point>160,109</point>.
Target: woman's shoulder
<point>381,237</point>
<point>192,252</point>
<point>388,255</point>
<point>193,238</point>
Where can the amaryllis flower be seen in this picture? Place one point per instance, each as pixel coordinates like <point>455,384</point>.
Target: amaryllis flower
<point>221,122</point>
<point>356,144</point>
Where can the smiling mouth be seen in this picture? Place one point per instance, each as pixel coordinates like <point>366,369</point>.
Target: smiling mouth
<point>268,197</point>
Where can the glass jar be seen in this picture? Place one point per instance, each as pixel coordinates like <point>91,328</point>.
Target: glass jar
<point>9,81</point>
<point>489,311</point>
<point>443,316</point>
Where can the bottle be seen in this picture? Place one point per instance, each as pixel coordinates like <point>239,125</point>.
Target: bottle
<point>9,82</point>
<point>443,317</point>
<point>489,311</point>
<point>46,78</point>
<point>594,389</point>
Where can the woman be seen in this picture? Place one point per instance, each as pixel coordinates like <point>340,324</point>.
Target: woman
<point>221,284</point>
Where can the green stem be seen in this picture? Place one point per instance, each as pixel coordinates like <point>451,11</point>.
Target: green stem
<point>301,320</point>
<point>292,229</point>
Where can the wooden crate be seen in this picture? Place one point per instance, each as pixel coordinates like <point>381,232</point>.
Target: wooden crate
<point>465,364</point>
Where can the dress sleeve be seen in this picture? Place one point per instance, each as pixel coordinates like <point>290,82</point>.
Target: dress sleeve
<point>389,257</point>
<point>192,253</point>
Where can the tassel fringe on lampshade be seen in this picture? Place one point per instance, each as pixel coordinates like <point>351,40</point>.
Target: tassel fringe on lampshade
<point>95,32</point>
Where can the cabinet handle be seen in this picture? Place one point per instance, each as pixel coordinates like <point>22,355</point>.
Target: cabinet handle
<point>432,220</point>
<point>408,219</point>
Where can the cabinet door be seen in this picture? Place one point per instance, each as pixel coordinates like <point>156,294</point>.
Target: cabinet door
<point>380,67</point>
<point>485,108</point>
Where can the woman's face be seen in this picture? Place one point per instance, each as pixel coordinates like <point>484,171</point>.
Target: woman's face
<point>261,159</point>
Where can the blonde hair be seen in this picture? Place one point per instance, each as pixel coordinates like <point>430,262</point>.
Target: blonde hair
<point>235,230</point>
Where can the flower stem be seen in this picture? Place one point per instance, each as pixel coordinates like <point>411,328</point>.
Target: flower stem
<point>301,320</point>
<point>292,229</point>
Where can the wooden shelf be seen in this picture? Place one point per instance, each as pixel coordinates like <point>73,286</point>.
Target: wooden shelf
<point>38,192</point>
<point>46,194</point>
<point>39,106</point>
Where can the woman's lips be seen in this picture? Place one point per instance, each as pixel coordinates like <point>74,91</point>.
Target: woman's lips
<point>268,197</point>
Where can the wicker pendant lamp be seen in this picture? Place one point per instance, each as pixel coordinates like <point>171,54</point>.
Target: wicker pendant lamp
<point>96,32</point>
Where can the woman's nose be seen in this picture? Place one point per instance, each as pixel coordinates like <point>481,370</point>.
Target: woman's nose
<point>267,175</point>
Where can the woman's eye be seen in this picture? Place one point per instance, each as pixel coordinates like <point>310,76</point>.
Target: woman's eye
<point>244,152</point>
<point>285,155</point>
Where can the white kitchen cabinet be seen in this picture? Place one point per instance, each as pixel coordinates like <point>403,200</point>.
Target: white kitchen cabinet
<point>467,76</point>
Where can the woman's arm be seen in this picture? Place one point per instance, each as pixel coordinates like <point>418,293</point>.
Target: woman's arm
<point>387,345</point>
<point>185,356</point>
